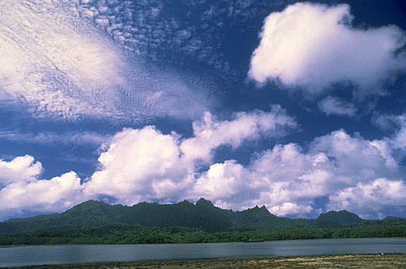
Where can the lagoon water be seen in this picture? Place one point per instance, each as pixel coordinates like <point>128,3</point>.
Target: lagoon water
<point>38,255</point>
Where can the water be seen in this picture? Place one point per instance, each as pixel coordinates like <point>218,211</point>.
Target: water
<point>37,255</point>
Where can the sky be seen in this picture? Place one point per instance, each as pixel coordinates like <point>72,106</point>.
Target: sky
<point>298,106</point>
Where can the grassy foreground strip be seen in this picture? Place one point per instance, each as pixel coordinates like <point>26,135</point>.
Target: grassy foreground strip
<point>364,261</point>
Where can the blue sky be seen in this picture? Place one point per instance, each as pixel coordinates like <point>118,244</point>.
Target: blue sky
<point>298,106</point>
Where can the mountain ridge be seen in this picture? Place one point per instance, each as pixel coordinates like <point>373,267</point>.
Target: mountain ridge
<point>186,214</point>
<point>98,222</point>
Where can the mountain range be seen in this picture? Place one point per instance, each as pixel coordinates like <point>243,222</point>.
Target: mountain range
<point>102,218</point>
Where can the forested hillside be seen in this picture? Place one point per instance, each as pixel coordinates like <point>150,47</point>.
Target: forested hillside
<point>185,222</point>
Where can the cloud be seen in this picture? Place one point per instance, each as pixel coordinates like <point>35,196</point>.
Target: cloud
<point>398,141</point>
<point>313,46</point>
<point>351,172</point>
<point>336,106</point>
<point>22,190</point>
<point>373,199</point>
<point>333,164</point>
<point>226,184</point>
<point>355,154</point>
<point>291,209</point>
<point>42,196</point>
<point>387,122</point>
<point>210,133</point>
<point>144,164</point>
<point>22,168</point>
<point>55,62</point>
<point>139,165</point>
<point>397,125</point>
<point>77,138</point>
<point>289,180</point>
<point>153,31</point>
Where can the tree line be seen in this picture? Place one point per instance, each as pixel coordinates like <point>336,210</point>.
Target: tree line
<point>181,235</point>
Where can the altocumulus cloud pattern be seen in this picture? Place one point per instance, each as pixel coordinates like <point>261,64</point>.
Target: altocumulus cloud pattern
<point>60,58</point>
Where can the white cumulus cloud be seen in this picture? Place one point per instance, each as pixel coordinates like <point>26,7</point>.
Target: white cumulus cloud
<point>288,179</point>
<point>22,168</point>
<point>371,199</point>
<point>138,165</point>
<point>22,189</point>
<point>53,195</point>
<point>351,172</point>
<point>210,133</point>
<point>313,46</point>
<point>227,184</point>
<point>144,164</point>
<point>291,209</point>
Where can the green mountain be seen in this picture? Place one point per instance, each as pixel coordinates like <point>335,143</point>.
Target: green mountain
<point>335,219</point>
<point>100,220</point>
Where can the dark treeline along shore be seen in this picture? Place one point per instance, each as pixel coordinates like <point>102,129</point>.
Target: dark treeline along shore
<point>96,222</point>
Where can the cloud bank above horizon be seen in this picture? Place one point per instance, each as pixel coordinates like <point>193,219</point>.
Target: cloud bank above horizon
<point>138,165</point>
<point>144,164</point>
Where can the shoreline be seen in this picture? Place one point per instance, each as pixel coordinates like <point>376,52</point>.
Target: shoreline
<point>193,243</point>
<point>389,260</point>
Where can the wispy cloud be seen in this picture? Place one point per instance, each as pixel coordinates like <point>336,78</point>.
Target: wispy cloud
<point>336,106</point>
<point>77,138</point>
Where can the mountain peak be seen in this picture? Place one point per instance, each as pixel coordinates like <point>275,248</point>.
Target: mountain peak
<point>204,203</point>
<point>338,218</point>
<point>185,202</point>
<point>343,214</point>
<point>88,208</point>
<point>258,211</point>
<point>89,205</point>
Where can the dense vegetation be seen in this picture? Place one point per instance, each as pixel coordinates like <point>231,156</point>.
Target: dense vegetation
<point>99,223</point>
<point>189,235</point>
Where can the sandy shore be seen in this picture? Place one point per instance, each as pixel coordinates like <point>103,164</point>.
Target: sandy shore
<point>364,261</point>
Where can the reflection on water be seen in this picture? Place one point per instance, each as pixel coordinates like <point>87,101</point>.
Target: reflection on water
<point>35,255</point>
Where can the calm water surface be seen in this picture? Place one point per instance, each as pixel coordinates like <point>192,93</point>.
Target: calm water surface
<point>36,255</point>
